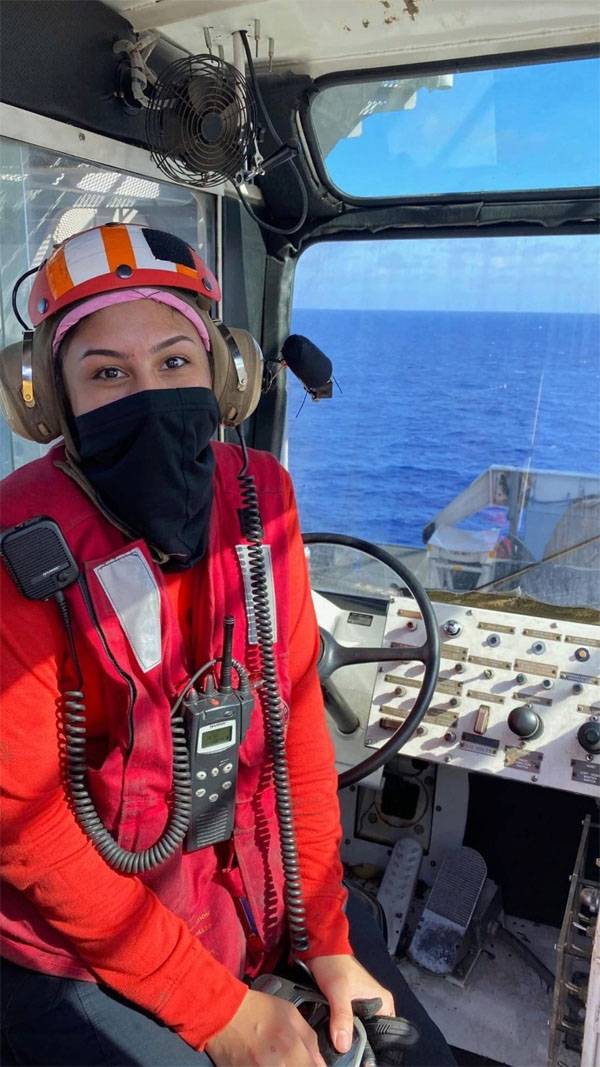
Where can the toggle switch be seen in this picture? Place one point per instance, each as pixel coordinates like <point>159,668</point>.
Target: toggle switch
<point>481,719</point>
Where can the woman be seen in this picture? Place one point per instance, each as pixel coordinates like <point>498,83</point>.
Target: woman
<point>111,958</point>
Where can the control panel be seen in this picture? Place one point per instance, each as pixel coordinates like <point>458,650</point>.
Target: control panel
<point>517,696</point>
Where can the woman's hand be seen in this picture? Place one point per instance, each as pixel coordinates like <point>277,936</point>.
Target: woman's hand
<point>265,1032</point>
<point>342,979</point>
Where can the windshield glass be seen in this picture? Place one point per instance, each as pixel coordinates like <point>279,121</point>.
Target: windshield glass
<point>464,426</point>
<point>515,127</point>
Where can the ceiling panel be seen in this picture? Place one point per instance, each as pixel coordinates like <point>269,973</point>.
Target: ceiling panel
<point>318,36</point>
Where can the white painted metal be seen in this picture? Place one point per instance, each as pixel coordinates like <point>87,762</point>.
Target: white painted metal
<point>355,684</point>
<point>316,38</point>
<point>483,637</point>
<point>451,804</point>
<point>561,709</point>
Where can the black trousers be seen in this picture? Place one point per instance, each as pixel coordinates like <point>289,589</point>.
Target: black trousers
<point>59,1022</point>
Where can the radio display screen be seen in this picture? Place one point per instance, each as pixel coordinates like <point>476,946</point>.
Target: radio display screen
<point>219,736</point>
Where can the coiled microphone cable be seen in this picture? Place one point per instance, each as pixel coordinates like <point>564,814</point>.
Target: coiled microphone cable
<point>120,859</point>
<point>272,706</point>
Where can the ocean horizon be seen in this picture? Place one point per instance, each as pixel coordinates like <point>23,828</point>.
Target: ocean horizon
<point>424,401</point>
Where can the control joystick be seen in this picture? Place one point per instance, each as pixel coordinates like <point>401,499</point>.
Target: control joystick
<point>377,1040</point>
<point>588,736</point>
<point>525,722</point>
<point>388,1036</point>
<point>313,1007</point>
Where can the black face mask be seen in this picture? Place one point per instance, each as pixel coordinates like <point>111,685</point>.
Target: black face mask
<point>148,457</point>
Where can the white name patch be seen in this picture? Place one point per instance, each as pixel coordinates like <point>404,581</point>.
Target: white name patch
<point>130,586</point>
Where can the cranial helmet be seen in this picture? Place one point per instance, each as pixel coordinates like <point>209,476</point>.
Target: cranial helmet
<point>102,260</point>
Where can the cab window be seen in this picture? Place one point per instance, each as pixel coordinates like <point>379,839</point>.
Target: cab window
<point>45,197</point>
<point>464,427</point>
<point>444,130</point>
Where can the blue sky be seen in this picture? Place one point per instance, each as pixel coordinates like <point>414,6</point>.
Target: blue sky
<point>512,128</point>
<point>559,274</point>
<point>523,127</point>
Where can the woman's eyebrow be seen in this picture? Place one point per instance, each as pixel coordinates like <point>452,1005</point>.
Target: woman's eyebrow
<point>110,352</point>
<point>171,341</point>
<point>113,354</point>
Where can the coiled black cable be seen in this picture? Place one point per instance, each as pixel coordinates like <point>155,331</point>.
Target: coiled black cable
<point>280,144</point>
<point>272,706</point>
<point>74,715</point>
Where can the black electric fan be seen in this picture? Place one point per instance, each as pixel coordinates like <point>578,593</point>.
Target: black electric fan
<point>202,127</point>
<point>201,124</point>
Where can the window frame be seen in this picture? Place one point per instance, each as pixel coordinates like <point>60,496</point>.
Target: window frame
<point>435,67</point>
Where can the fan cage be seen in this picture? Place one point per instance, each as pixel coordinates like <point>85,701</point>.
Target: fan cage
<point>201,121</point>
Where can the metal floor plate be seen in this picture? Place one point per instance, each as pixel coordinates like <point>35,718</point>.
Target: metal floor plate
<point>503,1011</point>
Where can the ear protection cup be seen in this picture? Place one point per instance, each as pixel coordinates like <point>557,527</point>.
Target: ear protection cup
<point>32,407</point>
<point>237,366</point>
<point>28,396</point>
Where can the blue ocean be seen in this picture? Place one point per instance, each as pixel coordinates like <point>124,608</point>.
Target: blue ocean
<point>426,401</point>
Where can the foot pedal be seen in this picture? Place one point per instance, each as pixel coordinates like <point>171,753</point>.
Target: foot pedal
<point>398,885</point>
<point>438,940</point>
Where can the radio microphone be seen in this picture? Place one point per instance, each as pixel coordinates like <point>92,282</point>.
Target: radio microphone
<point>311,366</point>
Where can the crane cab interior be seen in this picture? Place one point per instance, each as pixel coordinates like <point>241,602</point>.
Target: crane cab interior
<point>400,199</point>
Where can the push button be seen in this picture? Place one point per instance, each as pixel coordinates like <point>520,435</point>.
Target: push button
<point>226,785</point>
<point>201,775</point>
<point>227,768</point>
<point>214,772</point>
<point>200,792</point>
<point>213,797</point>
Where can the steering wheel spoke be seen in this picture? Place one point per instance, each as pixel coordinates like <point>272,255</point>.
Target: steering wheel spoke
<point>334,656</point>
<point>346,720</point>
<point>399,654</point>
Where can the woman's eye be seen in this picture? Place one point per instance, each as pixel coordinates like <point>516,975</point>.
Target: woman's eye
<point>108,373</point>
<point>174,362</point>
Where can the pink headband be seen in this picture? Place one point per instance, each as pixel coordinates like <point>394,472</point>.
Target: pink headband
<point>123,296</point>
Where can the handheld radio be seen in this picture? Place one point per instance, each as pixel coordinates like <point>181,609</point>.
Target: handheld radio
<point>216,720</point>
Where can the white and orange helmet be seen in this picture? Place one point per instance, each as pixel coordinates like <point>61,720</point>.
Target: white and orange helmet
<point>117,256</point>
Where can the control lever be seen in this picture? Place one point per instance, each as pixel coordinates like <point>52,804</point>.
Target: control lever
<point>377,1040</point>
<point>388,1036</point>
<point>314,1008</point>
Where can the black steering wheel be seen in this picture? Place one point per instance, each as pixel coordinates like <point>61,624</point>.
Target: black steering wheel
<point>334,655</point>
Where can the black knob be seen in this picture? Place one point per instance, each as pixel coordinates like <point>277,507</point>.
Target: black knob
<point>588,736</point>
<point>525,722</point>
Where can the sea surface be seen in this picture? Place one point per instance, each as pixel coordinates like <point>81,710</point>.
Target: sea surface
<point>426,401</point>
